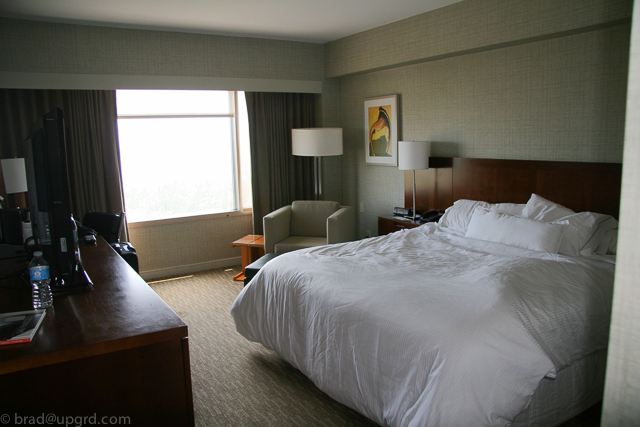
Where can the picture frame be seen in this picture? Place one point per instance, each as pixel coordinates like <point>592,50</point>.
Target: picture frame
<point>381,130</point>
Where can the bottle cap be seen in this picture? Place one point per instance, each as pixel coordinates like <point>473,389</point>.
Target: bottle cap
<point>37,253</point>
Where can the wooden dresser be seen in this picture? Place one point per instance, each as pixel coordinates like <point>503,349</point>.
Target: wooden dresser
<point>115,350</point>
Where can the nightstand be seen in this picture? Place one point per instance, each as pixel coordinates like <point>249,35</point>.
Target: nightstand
<point>388,225</point>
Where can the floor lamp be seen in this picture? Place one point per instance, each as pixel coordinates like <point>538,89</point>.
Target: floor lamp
<point>317,143</point>
<point>413,155</point>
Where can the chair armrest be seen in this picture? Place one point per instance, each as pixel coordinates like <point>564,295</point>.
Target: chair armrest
<point>340,226</point>
<point>276,227</point>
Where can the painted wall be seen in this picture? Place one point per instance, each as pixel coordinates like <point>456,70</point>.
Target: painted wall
<point>622,387</point>
<point>41,47</point>
<point>186,246</point>
<point>536,80</point>
<point>48,55</point>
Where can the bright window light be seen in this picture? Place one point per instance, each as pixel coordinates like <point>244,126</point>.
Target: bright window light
<point>174,102</point>
<point>180,155</point>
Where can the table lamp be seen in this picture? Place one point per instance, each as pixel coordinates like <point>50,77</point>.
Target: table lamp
<point>413,155</point>
<point>15,178</point>
<point>317,143</point>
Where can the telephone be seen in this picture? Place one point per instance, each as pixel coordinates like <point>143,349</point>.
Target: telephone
<point>430,216</point>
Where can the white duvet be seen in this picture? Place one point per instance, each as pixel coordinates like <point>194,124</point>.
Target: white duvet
<point>426,328</point>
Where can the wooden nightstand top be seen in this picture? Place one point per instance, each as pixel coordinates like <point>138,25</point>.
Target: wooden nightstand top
<point>250,240</point>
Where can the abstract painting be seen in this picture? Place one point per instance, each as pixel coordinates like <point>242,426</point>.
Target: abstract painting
<point>381,130</point>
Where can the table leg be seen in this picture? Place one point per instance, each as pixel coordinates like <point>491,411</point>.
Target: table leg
<point>248,254</point>
<point>245,253</point>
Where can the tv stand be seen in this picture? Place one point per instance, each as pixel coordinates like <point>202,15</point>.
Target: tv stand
<point>111,350</point>
<point>81,280</point>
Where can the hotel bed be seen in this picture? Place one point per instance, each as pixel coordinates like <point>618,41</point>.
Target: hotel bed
<point>498,315</point>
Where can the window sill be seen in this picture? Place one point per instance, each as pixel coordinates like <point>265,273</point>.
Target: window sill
<point>186,219</point>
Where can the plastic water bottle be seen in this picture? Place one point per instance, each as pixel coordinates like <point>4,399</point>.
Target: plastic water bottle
<point>39,278</point>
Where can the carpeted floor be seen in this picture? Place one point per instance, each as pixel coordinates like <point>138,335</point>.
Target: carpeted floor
<point>236,382</point>
<point>239,383</point>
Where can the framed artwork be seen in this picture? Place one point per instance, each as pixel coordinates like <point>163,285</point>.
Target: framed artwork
<point>381,130</point>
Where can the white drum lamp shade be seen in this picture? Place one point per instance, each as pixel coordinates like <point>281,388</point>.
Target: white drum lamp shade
<point>316,142</point>
<point>413,155</point>
<point>15,177</point>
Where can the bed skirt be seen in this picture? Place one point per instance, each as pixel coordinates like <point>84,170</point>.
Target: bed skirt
<point>575,389</point>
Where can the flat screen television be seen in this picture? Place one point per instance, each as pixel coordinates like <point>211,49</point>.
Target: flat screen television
<point>54,230</point>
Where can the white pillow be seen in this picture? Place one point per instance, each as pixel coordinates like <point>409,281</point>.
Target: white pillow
<point>580,229</point>
<point>605,237</point>
<point>586,232</point>
<point>514,209</point>
<point>515,231</point>
<point>459,215</point>
<point>541,209</point>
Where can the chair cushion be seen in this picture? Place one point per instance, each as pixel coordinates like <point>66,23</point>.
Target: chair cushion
<point>309,218</point>
<point>298,242</point>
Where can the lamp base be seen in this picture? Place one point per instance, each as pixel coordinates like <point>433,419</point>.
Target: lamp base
<point>317,172</point>
<point>414,195</point>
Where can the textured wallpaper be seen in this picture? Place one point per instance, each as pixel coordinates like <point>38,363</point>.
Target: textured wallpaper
<point>193,245</point>
<point>40,47</point>
<point>560,98</point>
<point>464,27</point>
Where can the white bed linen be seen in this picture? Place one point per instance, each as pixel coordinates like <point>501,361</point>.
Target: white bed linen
<point>426,328</point>
<point>576,388</point>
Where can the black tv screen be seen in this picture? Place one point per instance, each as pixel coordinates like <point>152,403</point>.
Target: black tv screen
<point>50,203</point>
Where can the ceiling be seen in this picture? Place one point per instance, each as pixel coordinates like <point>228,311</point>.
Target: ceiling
<point>317,21</point>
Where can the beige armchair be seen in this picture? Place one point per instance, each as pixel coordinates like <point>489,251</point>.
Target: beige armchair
<point>305,224</point>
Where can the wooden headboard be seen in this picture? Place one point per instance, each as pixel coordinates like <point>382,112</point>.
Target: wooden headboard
<point>580,186</point>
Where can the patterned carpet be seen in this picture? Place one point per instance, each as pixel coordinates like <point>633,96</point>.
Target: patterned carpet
<point>239,383</point>
<point>236,382</point>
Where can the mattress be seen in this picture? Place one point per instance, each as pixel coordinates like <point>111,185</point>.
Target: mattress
<point>427,328</point>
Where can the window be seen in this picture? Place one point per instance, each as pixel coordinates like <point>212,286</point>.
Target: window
<point>183,153</point>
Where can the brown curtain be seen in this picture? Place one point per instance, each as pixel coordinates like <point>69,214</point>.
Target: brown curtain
<point>277,176</point>
<point>91,133</point>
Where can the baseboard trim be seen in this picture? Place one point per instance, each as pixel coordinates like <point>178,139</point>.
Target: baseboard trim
<point>190,268</point>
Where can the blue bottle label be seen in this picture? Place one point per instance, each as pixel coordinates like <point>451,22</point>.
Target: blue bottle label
<point>39,274</point>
